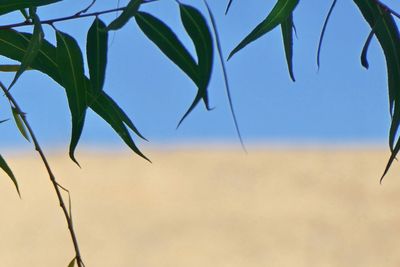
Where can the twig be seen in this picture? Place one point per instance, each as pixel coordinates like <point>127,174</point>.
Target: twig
<point>50,173</point>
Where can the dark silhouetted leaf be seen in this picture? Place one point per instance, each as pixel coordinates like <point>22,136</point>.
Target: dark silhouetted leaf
<point>7,6</point>
<point>321,37</point>
<point>164,38</point>
<point>10,68</point>
<point>96,51</point>
<point>280,12</point>
<point>226,81</point>
<point>228,7</point>
<point>287,35</point>
<point>129,12</point>
<point>32,50</point>
<point>19,122</point>
<point>198,30</point>
<point>364,59</point>
<point>387,33</point>
<point>70,66</point>
<point>7,170</point>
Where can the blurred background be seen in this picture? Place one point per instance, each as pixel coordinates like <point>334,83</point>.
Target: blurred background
<point>306,193</point>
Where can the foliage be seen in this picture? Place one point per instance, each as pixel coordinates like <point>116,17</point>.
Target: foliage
<point>64,62</point>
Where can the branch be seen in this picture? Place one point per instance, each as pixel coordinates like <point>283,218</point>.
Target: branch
<point>50,173</point>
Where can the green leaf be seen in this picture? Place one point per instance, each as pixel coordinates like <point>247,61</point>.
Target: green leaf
<point>11,68</point>
<point>280,12</point>
<point>19,122</point>
<point>228,7</point>
<point>363,57</point>
<point>387,33</point>
<point>130,11</point>
<point>287,35</point>
<point>321,37</point>
<point>13,45</point>
<point>96,52</point>
<point>70,67</point>
<point>72,263</point>
<point>7,170</point>
<point>197,28</point>
<point>104,106</point>
<point>7,6</point>
<point>32,49</point>
<point>165,39</point>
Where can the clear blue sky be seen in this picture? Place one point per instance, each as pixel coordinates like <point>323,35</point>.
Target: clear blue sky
<point>340,103</point>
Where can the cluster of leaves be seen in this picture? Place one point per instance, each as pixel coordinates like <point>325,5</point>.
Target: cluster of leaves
<point>64,61</point>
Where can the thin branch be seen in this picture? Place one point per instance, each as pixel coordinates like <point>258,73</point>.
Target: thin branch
<point>50,173</point>
<point>87,8</point>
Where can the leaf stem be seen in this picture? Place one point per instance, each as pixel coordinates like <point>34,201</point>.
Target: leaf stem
<point>50,173</point>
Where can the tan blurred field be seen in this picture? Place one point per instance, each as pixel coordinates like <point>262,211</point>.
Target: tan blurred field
<point>200,208</point>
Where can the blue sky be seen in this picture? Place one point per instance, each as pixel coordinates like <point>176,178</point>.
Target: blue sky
<point>339,103</point>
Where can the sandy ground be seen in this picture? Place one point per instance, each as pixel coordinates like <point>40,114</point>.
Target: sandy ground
<point>202,208</point>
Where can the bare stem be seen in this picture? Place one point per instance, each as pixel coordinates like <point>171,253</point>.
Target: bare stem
<point>50,173</point>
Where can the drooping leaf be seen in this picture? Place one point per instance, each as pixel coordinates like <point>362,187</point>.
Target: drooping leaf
<point>4,166</point>
<point>70,66</point>
<point>321,37</point>
<point>228,7</point>
<point>11,68</point>
<point>363,57</point>
<point>387,33</point>
<point>13,45</point>
<point>19,122</point>
<point>106,109</point>
<point>32,50</point>
<point>225,74</point>
<point>7,6</point>
<point>129,12</point>
<point>24,13</point>
<point>166,40</point>
<point>287,36</point>
<point>96,52</point>
<point>196,27</point>
<point>280,12</point>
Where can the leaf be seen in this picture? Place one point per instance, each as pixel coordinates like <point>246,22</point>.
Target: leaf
<point>96,52</point>
<point>32,50</point>
<point>70,67</point>
<point>387,33</point>
<point>7,170</point>
<point>72,263</point>
<point>228,6</point>
<point>280,12</point>
<point>13,45</point>
<point>364,59</point>
<point>11,68</point>
<point>287,35</point>
<point>199,32</point>
<point>104,106</point>
<point>321,37</point>
<point>7,6</point>
<point>165,39</point>
<point>226,81</point>
<point>19,122</point>
<point>130,11</point>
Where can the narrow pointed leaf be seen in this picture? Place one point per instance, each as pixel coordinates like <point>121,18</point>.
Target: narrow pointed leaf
<point>11,68</point>
<point>321,37</point>
<point>198,30</point>
<point>20,124</point>
<point>70,66</point>
<point>280,12</point>
<point>166,40</point>
<point>32,50</point>
<point>106,109</point>
<point>7,6</point>
<point>96,52</point>
<point>287,36</point>
<point>4,166</point>
<point>129,12</point>
<point>228,7</point>
<point>364,59</point>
